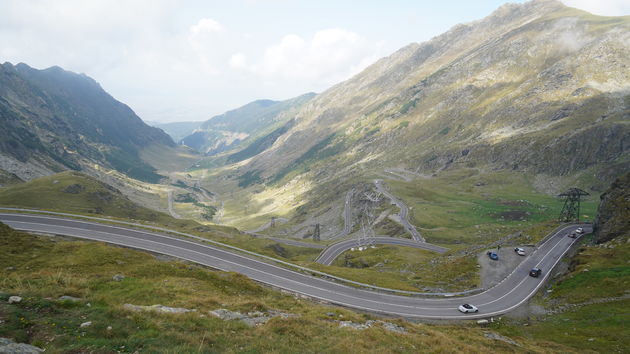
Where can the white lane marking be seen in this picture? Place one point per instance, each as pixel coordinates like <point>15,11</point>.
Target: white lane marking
<point>542,281</point>
<point>138,241</point>
<point>254,260</point>
<point>328,255</point>
<point>307,285</point>
<point>524,278</point>
<point>271,265</point>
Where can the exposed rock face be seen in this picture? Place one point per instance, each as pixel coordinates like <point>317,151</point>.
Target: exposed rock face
<point>252,319</point>
<point>613,214</point>
<point>495,336</point>
<point>157,308</point>
<point>8,346</point>
<point>388,326</point>
<point>15,299</point>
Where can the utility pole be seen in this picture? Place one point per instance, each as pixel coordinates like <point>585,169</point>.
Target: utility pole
<point>316,233</point>
<point>571,208</point>
<point>368,203</point>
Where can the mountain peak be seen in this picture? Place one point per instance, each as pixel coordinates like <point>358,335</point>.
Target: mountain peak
<point>65,120</point>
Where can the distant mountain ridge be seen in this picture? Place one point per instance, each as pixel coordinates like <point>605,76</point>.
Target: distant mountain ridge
<point>176,130</point>
<point>54,120</point>
<point>536,86</point>
<point>228,130</point>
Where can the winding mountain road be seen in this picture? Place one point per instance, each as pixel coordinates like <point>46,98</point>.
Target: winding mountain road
<point>335,250</point>
<point>404,211</point>
<point>502,298</point>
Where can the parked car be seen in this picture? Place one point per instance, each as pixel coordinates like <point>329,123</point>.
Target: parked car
<point>572,235</point>
<point>519,251</point>
<point>535,272</point>
<point>579,230</point>
<point>493,256</point>
<point>465,308</point>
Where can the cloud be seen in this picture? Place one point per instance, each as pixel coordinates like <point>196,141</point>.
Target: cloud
<point>601,7</point>
<point>206,25</point>
<point>203,41</point>
<point>238,61</point>
<point>329,56</point>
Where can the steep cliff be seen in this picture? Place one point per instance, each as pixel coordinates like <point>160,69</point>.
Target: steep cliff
<point>613,215</point>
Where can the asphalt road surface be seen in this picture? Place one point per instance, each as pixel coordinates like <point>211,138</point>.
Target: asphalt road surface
<point>332,252</point>
<point>502,298</point>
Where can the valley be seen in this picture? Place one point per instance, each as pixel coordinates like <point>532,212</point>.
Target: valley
<point>381,204</point>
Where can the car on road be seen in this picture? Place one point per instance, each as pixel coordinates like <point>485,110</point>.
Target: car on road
<point>493,256</point>
<point>535,272</point>
<point>579,230</point>
<point>572,235</point>
<point>465,308</point>
<point>519,251</point>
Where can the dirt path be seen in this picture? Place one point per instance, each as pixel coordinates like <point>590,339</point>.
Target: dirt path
<point>404,211</point>
<point>170,206</point>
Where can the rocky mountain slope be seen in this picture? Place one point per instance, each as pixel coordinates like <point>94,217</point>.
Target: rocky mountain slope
<point>613,215</point>
<point>230,129</point>
<point>54,120</point>
<point>538,88</point>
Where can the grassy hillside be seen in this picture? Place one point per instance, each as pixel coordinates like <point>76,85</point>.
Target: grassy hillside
<point>41,269</point>
<point>74,192</point>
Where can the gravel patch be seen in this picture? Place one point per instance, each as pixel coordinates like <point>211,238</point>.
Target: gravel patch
<point>493,272</point>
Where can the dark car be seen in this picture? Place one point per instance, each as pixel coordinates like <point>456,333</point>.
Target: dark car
<point>573,235</point>
<point>535,272</point>
<point>493,256</point>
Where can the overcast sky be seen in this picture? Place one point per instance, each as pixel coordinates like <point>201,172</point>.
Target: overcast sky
<point>189,60</point>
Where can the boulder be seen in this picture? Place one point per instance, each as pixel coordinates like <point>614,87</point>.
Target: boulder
<point>86,324</point>
<point>118,277</point>
<point>8,346</point>
<point>613,214</point>
<point>227,315</point>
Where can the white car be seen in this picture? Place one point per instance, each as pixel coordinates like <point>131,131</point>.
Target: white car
<point>465,308</point>
<point>579,230</point>
<point>519,251</point>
